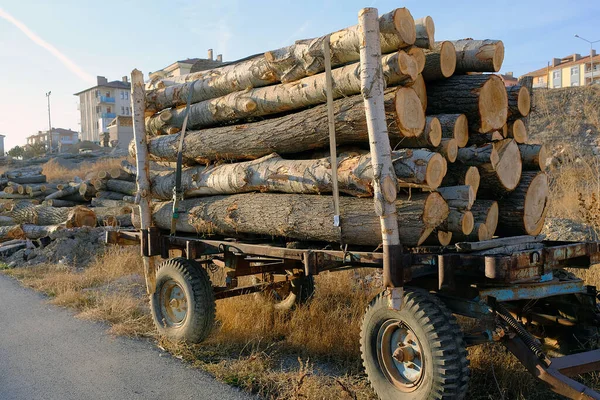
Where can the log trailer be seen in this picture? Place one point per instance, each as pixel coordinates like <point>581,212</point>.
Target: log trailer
<point>517,288</point>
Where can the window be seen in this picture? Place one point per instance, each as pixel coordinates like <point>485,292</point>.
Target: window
<point>97,109</point>
<point>107,94</point>
<point>574,70</point>
<point>122,109</point>
<point>108,110</point>
<point>97,93</point>
<point>127,109</point>
<point>556,74</point>
<point>126,95</point>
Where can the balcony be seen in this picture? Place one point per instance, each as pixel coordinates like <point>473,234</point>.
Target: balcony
<point>588,72</point>
<point>108,115</point>
<point>105,99</point>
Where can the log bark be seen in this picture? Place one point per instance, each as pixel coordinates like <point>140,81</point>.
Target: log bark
<point>100,202</point>
<point>7,221</point>
<point>486,212</point>
<point>304,217</point>
<point>478,234</point>
<point>499,165</point>
<point>87,190</point>
<point>67,191</point>
<point>533,156</point>
<point>425,32</point>
<point>516,130</point>
<point>304,58</point>
<point>478,55</point>
<point>60,203</point>
<point>271,173</point>
<point>458,197</point>
<point>305,130</point>
<point>121,174</point>
<point>449,149</point>
<point>482,98</point>
<point>125,187</point>
<point>277,99</point>
<point>455,126</point>
<point>523,211</point>
<point>37,231</point>
<point>103,194</point>
<point>440,61</point>
<point>481,139</point>
<point>519,102</point>
<point>431,138</point>
<point>72,217</point>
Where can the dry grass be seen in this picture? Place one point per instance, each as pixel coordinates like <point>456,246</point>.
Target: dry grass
<point>57,173</point>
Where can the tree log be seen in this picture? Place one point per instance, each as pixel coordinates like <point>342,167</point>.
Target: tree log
<point>460,221</point>
<point>481,139</point>
<point>482,98</point>
<point>486,212</point>
<point>516,130</point>
<point>125,187</point>
<point>60,203</point>
<point>72,217</point>
<point>271,173</point>
<point>87,190</point>
<point>11,233</point>
<point>534,156</point>
<point>67,191</point>
<point>425,30</point>
<point>7,221</point>
<point>478,55</point>
<point>519,102</point>
<point>458,197</point>
<point>305,130</point>
<point>431,137</point>
<point>39,231</point>
<point>103,194</point>
<point>449,149</point>
<point>101,202</point>
<point>523,211</point>
<point>419,56</point>
<point>121,174</point>
<point>304,217</point>
<point>455,126</point>
<point>440,61</point>
<point>398,68</point>
<point>304,58</point>
<point>499,165</point>
<point>29,179</point>
<point>478,234</point>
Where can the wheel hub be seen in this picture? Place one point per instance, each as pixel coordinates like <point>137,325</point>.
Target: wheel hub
<point>173,303</point>
<point>400,355</point>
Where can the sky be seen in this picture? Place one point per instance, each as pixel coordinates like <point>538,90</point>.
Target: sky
<point>62,45</point>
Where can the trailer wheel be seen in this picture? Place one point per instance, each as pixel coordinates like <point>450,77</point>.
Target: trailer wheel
<point>296,291</point>
<point>415,353</point>
<point>183,304</point>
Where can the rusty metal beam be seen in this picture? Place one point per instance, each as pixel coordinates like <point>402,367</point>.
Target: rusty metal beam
<point>533,290</point>
<point>576,364</point>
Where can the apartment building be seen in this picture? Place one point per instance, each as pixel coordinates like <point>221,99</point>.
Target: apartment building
<point>573,70</point>
<point>183,67</point>
<point>62,139</point>
<point>101,104</point>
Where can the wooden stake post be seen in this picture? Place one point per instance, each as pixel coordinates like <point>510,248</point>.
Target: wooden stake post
<point>138,100</point>
<point>384,176</point>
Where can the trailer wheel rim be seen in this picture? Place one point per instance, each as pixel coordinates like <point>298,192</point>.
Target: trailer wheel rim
<point>400,355</point>
<point>173,303</point>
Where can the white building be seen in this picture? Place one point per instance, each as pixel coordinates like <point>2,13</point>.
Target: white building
<point>62,139</point>
<point>100,105</point>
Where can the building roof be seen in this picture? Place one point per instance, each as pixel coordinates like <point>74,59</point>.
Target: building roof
<point>124,120</point>
<point>113,84</point>
<point>544,71</point>
<point>203,64</point>
<point>60,131</point>
<point>189,61</point>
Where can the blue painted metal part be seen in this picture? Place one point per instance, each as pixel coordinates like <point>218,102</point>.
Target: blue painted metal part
<point>534,291</point>
<point>547,277</point>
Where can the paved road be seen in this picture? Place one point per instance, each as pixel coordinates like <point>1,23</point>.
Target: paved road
<point>46,353</point>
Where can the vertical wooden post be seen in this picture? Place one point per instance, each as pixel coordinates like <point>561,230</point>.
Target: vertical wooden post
<point>384,176</point>
<point>138,105</point>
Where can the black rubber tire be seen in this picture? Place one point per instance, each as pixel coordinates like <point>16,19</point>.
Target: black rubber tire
<point>301,291</point>
<point>446,368</point>
<point>197,288</point>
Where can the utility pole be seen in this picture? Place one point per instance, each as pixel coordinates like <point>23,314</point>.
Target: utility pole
<point>591,56</point>
<point>49,150</point>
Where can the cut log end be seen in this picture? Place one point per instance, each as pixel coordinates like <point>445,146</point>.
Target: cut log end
<point>491,220</point>
<point>483,233</point>
<point>536,204</point>
<point>408,65</point>
<point>493,105</point>
<point>498,57</point>
<point>421,90</point>
<point>435,210</point>
<point>447,59</point>
<point>467,222</point>
<point>81,216</point>
<point>506,161</point>
<point>524,101</point>
<point>434,130</point>
<point>405,25</point>
<point>518,131</point>
<point>472,178</point>
<point>449,149</point>
<point>410,116</point>
<point>419,56</point>
<point>425,32</point>
<point>445,238</point>
<point>436,170</point>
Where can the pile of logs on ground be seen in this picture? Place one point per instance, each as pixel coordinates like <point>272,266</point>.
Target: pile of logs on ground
<point>256,149</point>
<point>31,208</point>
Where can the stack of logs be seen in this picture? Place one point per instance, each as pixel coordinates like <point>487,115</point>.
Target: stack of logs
<point>31,208</point>
<point>255,158</point>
